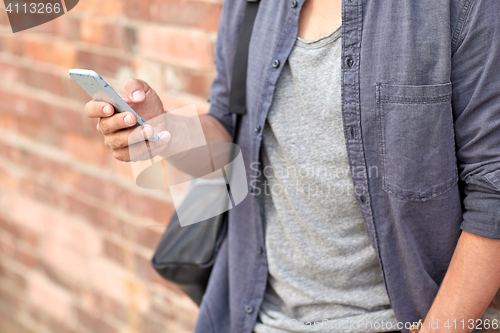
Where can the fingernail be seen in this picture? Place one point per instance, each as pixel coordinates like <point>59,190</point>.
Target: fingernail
<point>138,96</point>
<point>147,131</point>
<point>107,110</point>
<point>165,136</point>
<point>128,120</point>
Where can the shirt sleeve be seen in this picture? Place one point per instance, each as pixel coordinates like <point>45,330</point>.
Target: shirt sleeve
<point>476,107</point>
<point>219,90</point>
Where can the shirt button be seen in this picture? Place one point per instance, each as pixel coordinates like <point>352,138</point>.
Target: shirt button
<point>248,309</point>
<point>257,129</point>
<point>362,199</point>
<point>260,250</point>
<point>294,3</point>
<point>276,63</point>
<point>350,62</point>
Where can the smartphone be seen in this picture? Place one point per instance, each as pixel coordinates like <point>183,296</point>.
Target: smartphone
<point>100,91</point>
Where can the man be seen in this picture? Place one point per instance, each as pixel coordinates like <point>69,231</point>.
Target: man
<point>413,89</point>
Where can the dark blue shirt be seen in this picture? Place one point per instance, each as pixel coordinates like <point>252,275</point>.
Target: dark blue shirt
<point>421,117</point>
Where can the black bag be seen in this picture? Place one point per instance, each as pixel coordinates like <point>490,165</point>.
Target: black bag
<point>186,255</point>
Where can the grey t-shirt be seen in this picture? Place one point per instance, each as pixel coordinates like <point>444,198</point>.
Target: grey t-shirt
<point>322,267</point>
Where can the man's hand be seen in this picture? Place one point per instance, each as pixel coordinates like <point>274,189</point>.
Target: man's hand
<point>469,285</point>
<point>116,127</point>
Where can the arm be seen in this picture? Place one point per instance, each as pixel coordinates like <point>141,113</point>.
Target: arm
<point>473,276</point>
<point>470,284</point>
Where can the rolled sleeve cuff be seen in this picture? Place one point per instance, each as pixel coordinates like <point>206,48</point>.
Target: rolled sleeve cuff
<point>223,116</point>
<point>482,205</point>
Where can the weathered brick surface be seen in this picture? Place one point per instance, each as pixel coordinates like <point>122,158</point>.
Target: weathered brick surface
<point>76,234</point>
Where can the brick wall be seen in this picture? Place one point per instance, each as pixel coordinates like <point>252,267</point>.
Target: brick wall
<point>76,234</point>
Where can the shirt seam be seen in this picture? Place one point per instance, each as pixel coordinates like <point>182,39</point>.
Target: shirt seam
<point>462,20</point>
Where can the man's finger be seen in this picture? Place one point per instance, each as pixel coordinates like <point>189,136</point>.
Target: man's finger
<point>134,153</point>
<point>95,109</point>
<point>145,150</point>
<point>136,90</point>
<point>128,137</point>
<point>117,122</point>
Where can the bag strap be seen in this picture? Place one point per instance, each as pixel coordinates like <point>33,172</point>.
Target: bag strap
<point>237,93</point>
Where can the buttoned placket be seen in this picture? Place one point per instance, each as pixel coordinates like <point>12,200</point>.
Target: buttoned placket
<point>352,21</point>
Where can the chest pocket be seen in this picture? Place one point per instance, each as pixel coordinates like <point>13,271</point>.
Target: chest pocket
<point>417,140</point>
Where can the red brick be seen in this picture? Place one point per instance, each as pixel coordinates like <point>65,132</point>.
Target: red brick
<point>123,169</point>
<point>147,236</point>
<point>37,111</point>
<point>38,50</point>
<point>101,33</point>
<point>18,232</point>
<point>98,217</point>
<point>8,122</point>
<point>186,48</point>
<point>14,279</point>
<point>49,297</point>
<point>44,81</point>
<point>93,322</point>
<point>67,120</point>
<point>30,260</point>
<point>150,325</point>
<point>8,180</point>
<point>43,192</point>
<point>85,149</point>
<point>101,63</point>
<point>64,54</point>
<point>47,321</point>
<point>27,213</point>
<point>199,14</point>
<point>9,245</point>
<point>118,283</point>
<point>159,210</point>
<point>93,299</point>
<point>9,324</point>
<point>65,260</point>
<point>101,188</point>
<point>10,299</point>
<point>139,9</point>
<point>63,229</point>
<point>12,73</point>
<point>148,70</point>
<point>68,27</point>
<point>61,279</point>
<point>13,44</point>
<point>199,84</point>
<point>100,8</point>
<point>115,252</point>
<point>194,82</point>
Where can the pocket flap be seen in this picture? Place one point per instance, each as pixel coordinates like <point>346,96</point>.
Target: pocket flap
<point>387,93</point>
